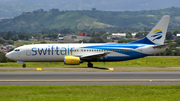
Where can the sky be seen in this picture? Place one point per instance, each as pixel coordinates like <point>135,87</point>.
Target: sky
<point>107,5</point>
<point>12,8</point>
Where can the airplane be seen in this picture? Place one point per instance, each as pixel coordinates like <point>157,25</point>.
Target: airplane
<point>74,54</point>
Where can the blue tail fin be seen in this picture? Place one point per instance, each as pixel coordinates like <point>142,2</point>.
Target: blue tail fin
<point>157,34</point>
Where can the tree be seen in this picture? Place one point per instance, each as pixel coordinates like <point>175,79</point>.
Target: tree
<point>100,40</point>
<point>97,35</point>
<point>176,32</point>
<point>141,34</point>
<point>15,38</point>
<point>178,41</point>
<point>39,36</point>
<point>93,40</point>
<point>177,52</point>
<point>3,58</point>
<point>45,35</point>
<point>21,36</point>
<point>168,52</point>
<point>10,42</point>
<point>169,36</point>
<point>8,36</point>
<point>2,41</point>
<point>54,36</point>
<point>97,38</point>
<point>128,36</point>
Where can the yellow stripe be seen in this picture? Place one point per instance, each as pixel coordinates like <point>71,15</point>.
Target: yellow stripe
<point>157,30</point>
<point>38,68</point>
<point>111,69</point>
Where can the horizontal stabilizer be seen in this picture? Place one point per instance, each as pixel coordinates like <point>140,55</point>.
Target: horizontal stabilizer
<point>164,45</point>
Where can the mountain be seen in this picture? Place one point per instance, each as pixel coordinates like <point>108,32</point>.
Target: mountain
<point>39,20</point>
<point>12,8</point>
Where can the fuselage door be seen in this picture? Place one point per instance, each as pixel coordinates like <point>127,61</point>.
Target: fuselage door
<point>28,51</point>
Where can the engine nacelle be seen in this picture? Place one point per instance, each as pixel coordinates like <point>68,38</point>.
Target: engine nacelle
<point>72,60</point>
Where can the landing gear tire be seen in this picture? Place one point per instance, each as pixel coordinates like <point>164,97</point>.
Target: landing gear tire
<point>90,65</point>
<point>24,65</point>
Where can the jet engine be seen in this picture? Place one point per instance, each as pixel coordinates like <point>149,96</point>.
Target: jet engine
<point>72,60</point>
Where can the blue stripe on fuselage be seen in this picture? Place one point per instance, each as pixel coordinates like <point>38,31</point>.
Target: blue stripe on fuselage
<point>117,46</point>
<point>132,55</point>
<point>124,48</point>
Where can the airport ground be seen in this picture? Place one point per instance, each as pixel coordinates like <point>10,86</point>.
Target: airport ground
<point>147,65</point>
<point>148,79</point>
<point>90,69</point>
<point>96,86</point>
<point>142,62</point>
<point>89,78</point>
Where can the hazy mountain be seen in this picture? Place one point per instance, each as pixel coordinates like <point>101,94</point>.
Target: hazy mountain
<point>39,20</point>
<point>11,8</point>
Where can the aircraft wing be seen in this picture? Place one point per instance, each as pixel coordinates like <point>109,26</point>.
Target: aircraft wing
<point>164,45</point>
<point>94,56</point>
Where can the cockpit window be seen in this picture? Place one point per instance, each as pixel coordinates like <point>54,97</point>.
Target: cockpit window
<point>17,50</point>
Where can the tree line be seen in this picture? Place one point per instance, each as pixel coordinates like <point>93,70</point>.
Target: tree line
<point>97,37</point>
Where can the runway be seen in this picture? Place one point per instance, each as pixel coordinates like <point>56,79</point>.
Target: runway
<point>87,69</point>
<point>90,78</point>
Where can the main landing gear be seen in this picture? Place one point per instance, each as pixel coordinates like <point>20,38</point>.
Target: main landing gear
<point>24,65</point>
<point>90,64</point>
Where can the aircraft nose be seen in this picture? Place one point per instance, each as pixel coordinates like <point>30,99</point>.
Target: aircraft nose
<point>8,55</point>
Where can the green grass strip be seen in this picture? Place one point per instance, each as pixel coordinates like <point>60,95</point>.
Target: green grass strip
<point>142,62</point>
<point>89,93</point>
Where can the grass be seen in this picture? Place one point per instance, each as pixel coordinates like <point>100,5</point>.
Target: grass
<point>142,62</point>
<point>89,93</point>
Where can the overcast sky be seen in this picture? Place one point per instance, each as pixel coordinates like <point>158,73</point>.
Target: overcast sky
<point>108,5</point>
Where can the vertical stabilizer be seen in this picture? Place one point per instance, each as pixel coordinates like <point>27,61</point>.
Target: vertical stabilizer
<point>158,33</point>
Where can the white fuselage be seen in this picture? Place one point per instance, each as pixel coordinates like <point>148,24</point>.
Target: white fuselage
<point>57,52</point>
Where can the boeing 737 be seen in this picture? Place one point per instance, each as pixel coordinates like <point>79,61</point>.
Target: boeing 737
<point>74,54</point>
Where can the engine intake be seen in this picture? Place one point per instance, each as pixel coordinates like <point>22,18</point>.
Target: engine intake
<point>72,60</point>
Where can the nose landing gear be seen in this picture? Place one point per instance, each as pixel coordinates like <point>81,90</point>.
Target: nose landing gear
<point>21,62</point>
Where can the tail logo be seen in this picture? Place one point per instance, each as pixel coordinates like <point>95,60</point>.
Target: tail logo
<point>157,34</point>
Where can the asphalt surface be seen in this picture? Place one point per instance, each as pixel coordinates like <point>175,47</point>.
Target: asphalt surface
<point>90,78</point>
<point>126,69</point>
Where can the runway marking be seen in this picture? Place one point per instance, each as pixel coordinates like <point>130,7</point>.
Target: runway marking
<point>111,69</point>
<point>97,80</point>
<point>39,68</point>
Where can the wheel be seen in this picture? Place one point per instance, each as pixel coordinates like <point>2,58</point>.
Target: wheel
<point>90,65</point>
<point>24,65</point>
